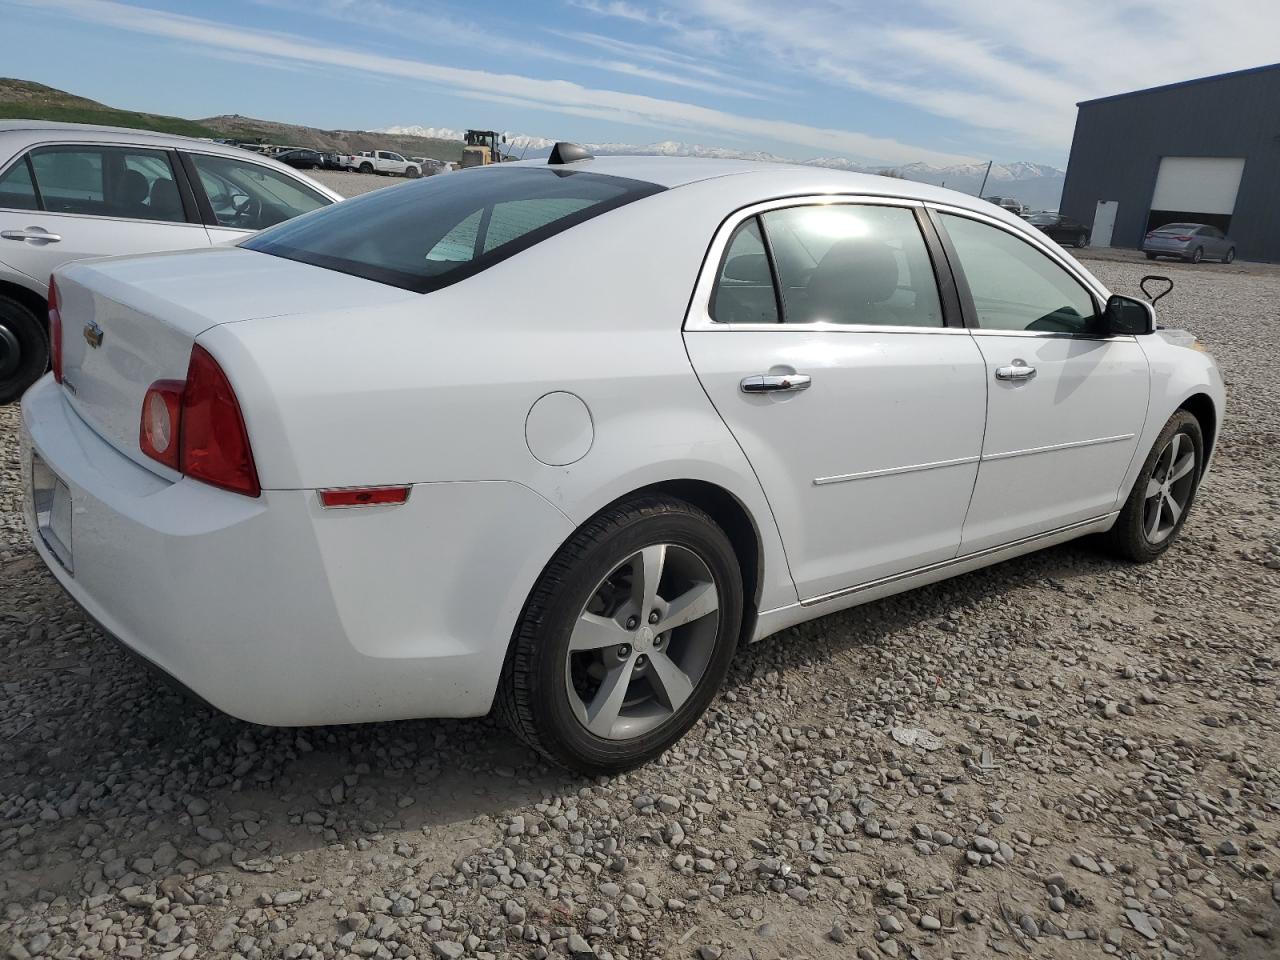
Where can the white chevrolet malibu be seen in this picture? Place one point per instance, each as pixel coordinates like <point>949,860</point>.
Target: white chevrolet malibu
<point>557,438</point>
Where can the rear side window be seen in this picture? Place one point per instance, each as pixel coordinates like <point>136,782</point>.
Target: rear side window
<point>17,192</point>
<point>744,291</point>
<point>434,232</point>
<point>131,182</point>
<point>863,265</point>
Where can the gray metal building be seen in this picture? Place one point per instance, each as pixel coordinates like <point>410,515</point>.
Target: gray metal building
<point>1206,151</point>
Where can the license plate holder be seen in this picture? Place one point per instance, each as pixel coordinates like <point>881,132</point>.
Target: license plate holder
<point>52,499</point>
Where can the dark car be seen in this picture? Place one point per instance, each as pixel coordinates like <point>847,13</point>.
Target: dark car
<point>1192,242</point>
<point>1062,229</point>
<point>302,159</point>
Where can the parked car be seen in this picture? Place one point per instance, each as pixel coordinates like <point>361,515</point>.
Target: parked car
<point>1192,242</point>
<point>301,158</point>
<point>1060,228</point>
<point>1016,207</point>
<point>385,162</point>
<point>325,488</point>
<point>69,191</point>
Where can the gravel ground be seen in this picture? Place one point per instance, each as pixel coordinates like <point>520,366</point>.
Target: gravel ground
<point>1100,774</point>
<point>353,184</point>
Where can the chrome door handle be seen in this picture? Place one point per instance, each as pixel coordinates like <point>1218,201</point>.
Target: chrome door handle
<point>29,234</point>
<point>1018,370</point>
<point>770,383</point>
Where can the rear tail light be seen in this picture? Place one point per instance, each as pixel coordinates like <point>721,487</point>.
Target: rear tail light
<point>1184,239</point>
<point>161,417</point>
<point>55,331</point>
<point>195,426</point>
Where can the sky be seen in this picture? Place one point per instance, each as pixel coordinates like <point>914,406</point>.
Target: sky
<point>889,81</point>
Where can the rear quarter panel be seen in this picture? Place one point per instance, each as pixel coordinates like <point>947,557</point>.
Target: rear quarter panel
<point>439,387</point>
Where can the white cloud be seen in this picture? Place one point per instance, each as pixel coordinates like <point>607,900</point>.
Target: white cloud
<point>1015,68</point>
<point>560,96</point>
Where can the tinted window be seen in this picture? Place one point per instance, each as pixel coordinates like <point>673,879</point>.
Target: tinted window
<point>1015,286</point>
<point>108,181</point>
<point>744,291</point>
<point>249,196</point>
<point>434,232</point>
<point>851,264</point>
<point>16,189</point>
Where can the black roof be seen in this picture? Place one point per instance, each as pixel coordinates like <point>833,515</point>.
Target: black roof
<point>1182,83</point>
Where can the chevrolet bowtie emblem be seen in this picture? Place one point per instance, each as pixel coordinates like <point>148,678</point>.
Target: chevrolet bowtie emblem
<point>93,334</point>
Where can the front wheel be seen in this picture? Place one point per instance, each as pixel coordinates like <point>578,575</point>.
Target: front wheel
<point>1231,255</point>
<point>24,349</point>
<point>412,173</point>
<point>626,637</point>
<point>1197,255</point>
<point>1162,495</point>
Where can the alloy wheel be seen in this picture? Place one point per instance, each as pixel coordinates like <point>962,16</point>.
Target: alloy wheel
<point>642,642</point>
<point>1169,489</point>
<point>10,352</point>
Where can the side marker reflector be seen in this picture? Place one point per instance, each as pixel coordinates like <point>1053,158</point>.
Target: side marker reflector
<point>363,496</point>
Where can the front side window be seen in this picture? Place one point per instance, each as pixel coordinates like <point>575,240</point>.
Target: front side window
<point>130,182</point>
<point>17,190</point>
<point>1014,286</point>
<point>433,232</point>
<point>864,265</point>
<point>249,196</point>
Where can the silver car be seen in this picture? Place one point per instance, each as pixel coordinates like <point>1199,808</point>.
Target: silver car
<point>69,191</point>
<point>1192,242</point>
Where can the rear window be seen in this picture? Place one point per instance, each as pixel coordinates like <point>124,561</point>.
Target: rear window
<point>434,232</point>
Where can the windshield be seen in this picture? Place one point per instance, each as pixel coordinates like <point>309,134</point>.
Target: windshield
<point>434,232</point>
<point>1043,218</point>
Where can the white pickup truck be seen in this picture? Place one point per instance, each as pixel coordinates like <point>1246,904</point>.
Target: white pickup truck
<point>385,162</point>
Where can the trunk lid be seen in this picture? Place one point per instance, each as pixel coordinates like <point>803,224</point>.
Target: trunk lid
<point>128,322</point>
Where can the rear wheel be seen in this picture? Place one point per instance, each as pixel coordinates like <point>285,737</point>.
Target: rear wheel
<point>1231,255</point>
<point>1151,256</point>
<point>24,349</point>
<point>625,638</point>
<point>1162,496</point>
<point>1082,241</point>
<point>366,168</point>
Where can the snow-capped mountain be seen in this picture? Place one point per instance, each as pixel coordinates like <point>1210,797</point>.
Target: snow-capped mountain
<point>1037,184</point>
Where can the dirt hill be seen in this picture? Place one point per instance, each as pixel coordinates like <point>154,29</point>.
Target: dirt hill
<point>26,100</point>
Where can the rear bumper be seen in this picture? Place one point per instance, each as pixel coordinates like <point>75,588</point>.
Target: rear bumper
<point>278,611</point>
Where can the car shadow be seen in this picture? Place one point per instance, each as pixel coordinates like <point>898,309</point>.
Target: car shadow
<point>137,751</point>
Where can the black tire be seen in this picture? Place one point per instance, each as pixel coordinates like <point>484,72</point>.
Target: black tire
<point>412,173</point>
<point>366,168</point>
<point>1128,538</point>
<point>1151,256</point>
<point>1231,255</point>
<point>532,695</point>
<point>1082,241</point>
<point>24,348</point>
<point>1197,255</point>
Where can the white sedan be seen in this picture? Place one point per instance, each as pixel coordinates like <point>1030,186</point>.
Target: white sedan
<point>559,437</point>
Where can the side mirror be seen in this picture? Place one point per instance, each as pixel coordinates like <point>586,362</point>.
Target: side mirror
<point>1127,315</point>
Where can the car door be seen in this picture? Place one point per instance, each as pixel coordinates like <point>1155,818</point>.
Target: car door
<point>1065,407</point>
<point>821,335</point>
<point>238,197</point>
<point>92,200</point>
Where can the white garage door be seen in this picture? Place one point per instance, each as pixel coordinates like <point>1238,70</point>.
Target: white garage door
<point>1198,184</point>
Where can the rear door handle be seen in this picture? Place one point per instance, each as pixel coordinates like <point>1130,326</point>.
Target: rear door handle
<point>770,383</point>
<point>31,233</point>
<point>1018,370</point>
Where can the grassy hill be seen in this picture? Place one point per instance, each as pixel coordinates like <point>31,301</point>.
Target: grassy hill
<point>25,100</point>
